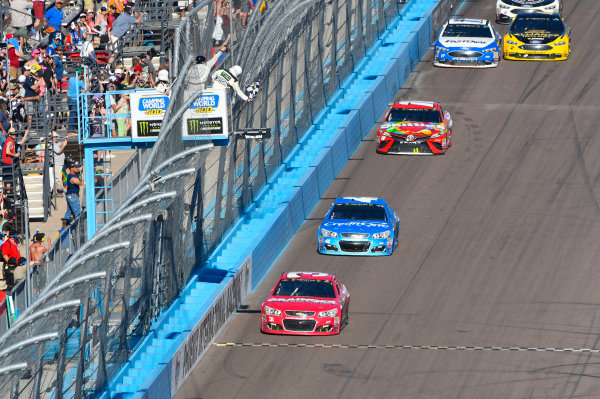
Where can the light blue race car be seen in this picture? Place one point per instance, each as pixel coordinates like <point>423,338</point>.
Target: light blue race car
<point>467,43</point>
<point>359,226</point>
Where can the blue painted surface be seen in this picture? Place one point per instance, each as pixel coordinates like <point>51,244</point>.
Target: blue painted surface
<point>287,199</point>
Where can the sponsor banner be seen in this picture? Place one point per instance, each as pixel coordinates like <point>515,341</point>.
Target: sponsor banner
<point>203,126</point>
<point>148,108</point>
<point>148,128</point>
<point>198,341</point>
<point>209,116</point>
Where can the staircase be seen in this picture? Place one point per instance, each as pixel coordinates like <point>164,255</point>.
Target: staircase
<point>34,187</point>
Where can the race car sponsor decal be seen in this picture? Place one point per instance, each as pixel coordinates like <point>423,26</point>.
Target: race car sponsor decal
<point>465,42</point>
<point>300,274</point>
<point>362,199</point>
<point>304,300</point>
<point>357,224</point>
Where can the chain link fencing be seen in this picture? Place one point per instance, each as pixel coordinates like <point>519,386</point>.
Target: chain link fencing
<point>91,311</point>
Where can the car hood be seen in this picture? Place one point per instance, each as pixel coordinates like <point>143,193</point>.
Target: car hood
<point>356,226</point>
<point>301,303</point>
<point>466,42</point>
<point>416,129</point>
<point>536,37</point>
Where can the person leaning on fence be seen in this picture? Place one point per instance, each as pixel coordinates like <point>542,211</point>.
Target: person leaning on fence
<point>121,25</point>
<point>200,72</point>
<point>73,184</point>
<point>37,248</point>
<point>224,78</point>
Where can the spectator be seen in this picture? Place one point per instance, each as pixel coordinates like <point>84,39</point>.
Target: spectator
<point>10,256</point>
<point>224,78</point>
<point>73,184</point>
<point>97,117</point>
<point>74,39</point>
<point>37,248</point>
<point>76,86</point>
<point>88,52</point>
<point>55,43</point>
<point>110,19</point>
<point>38,13</point>
<point>122,24</point>
<point>58,148</point>
<point>4,121</point>
<point>101,25</point>
<point>85,28</point>
<point>13,60</point>
<point>54,17</point>
<point>9,154</point>
<point>220,38</point>
<point>134,77</point>
<point>58,67</point>
<point>148,71</point>
<point>20,18</point>
<point>118,5</point>
<point>90,20</point>
<point>7,224</point>
<point>121,106</point>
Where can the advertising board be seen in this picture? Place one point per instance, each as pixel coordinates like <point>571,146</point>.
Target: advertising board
<point>209,116</point>
<point>147,111</point>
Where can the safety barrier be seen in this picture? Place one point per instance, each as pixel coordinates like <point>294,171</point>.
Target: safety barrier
<point>254,243</point>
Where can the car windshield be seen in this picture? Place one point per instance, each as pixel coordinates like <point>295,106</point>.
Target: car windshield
<point>467,30</point>
<point>414,115</point>
<point>531,22</point>
<point>305,287</point>
<point>358,212</point>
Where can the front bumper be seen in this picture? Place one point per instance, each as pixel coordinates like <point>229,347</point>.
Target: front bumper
<point>445,60</point>
<point>514,52</point>
<point>393,146</point>
<point>285,325</point>
<point>351,246</point>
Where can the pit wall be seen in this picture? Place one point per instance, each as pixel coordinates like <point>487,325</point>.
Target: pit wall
<point>181,336</point>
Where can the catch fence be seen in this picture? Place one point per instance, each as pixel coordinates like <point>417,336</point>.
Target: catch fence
<point>89,316</point>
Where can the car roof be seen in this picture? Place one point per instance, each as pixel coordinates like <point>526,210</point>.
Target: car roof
<point>415,104</point>
<point>468,21</point>
<point>365,200</point>
<point>308,275</point>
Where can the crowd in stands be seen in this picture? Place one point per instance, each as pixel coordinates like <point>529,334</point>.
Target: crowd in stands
<point>42,56</point>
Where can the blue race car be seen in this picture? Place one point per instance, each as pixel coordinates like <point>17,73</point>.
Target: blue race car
<point>467,43</point>
<point>359,226</point>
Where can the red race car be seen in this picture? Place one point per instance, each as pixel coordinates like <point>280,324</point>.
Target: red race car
<point>305,303</point>
<point>415,127</point>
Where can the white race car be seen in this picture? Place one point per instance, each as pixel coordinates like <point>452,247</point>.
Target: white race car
<point>467,43</point>
<point>507,10</point>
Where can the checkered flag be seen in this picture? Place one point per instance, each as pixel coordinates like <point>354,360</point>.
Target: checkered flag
<point>252,90</point>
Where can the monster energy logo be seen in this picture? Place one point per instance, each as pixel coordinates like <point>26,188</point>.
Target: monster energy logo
<point>205,126</point>
<point>148,128</point>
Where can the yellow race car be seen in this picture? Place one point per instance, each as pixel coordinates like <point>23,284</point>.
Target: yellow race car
<point>537,37</point>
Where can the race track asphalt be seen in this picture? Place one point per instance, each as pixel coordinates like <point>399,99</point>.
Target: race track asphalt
<point>493,291</point>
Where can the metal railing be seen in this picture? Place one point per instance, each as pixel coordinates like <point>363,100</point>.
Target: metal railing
<point>189,196</point>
